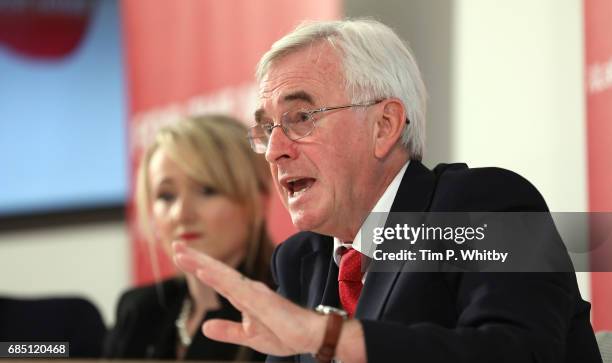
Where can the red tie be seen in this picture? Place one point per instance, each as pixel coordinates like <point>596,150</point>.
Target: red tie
<point>349,279</point>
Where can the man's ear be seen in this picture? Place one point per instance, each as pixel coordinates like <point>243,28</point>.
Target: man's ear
<point>389,126</point>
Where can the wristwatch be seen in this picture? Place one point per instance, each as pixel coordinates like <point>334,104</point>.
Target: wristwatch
<point>335,317</point>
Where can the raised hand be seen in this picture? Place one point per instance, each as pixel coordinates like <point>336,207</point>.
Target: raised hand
<point>270,323</point>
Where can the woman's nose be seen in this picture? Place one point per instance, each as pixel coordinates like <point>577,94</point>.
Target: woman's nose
<point>183,209</point>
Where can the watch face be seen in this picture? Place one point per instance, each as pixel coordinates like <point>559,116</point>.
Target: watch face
<point>326,310</point>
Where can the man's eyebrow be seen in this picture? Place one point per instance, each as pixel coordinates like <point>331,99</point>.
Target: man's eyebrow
<point>259,115</point>
<point>295,96</point>
<point>299,96</point>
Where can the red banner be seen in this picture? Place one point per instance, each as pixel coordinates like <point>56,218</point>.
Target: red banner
<point>598,60</point>
<point>193,56</point>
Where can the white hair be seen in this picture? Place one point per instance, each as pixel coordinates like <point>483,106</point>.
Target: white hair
<point>376,63</point>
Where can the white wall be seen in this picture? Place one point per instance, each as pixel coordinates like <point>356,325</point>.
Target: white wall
<point>89,261</point>
<point>505,82</point>
<point>518,94</point>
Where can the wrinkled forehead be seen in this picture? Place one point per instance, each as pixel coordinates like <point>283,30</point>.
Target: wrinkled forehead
<point>313,73</point>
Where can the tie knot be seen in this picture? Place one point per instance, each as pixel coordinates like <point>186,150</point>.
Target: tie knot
<point>349,279</point>
<point>350,266</point>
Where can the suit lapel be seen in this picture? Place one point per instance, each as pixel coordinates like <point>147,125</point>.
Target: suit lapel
<point>316,272</point>
<point>413,195</point>
<point>331,296</point>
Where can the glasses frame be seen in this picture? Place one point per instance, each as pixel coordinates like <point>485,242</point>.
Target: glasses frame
<point>310,113</point>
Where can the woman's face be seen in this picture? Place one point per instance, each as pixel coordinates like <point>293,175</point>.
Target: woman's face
<point>186,210</point>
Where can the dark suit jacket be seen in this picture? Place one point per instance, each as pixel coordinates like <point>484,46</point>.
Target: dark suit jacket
<point>450,316</point>
<point>145,326</point>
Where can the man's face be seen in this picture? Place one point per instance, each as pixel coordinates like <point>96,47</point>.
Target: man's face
<point>323,179</point>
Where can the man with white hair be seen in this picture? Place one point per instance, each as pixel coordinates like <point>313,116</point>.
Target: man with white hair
<point>341,120</point>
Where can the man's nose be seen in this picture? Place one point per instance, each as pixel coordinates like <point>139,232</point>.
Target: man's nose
<point>279,146</point>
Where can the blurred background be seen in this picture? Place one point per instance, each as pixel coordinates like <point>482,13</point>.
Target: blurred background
<point>520,84</point>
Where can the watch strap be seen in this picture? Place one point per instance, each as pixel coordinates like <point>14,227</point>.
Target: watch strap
<point>330,339</point>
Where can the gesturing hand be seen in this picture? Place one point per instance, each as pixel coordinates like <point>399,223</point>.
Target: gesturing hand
<point>270,323</point>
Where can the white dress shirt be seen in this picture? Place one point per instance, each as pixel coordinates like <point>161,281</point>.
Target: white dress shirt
<point>383,205</point>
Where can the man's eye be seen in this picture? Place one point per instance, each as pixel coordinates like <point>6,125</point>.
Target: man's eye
<point>301,117</point>
<point>267,127</point>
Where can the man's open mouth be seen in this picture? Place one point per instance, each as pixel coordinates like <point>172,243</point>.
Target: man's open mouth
<point>297,186</point>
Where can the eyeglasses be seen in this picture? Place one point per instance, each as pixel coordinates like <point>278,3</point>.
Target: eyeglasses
<point>295,124</point>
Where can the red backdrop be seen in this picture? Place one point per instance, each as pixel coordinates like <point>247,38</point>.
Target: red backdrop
<point>193,56</point>
<point>598,60</point>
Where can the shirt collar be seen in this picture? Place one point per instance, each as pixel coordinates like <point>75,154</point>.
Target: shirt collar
<point>383,205</point>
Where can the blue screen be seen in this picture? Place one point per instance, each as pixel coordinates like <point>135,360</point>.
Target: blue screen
<point>62,131</point>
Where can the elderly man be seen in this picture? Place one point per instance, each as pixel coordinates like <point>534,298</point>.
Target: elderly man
<point>341,121</point>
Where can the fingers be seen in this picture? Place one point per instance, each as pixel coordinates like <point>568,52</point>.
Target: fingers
<point>258,338</point>
<point>287,321</point>
<point>225,331</point>
<point>183,258</point>
<point>187,263</point>
<point>190,260</point>
<point>210,281</point>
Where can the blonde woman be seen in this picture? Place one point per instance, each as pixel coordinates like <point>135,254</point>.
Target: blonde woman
<point>199,183</point>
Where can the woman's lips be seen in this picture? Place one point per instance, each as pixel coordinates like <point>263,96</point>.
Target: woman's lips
<point>190,236</point>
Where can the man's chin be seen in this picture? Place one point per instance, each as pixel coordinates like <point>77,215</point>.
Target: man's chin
<point>305,221</point>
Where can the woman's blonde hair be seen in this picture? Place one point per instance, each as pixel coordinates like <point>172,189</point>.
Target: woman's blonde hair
<point>214,150</point>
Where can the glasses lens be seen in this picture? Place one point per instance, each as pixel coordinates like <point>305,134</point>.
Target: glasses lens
<point>297,124</point>
<point>258,138</point>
